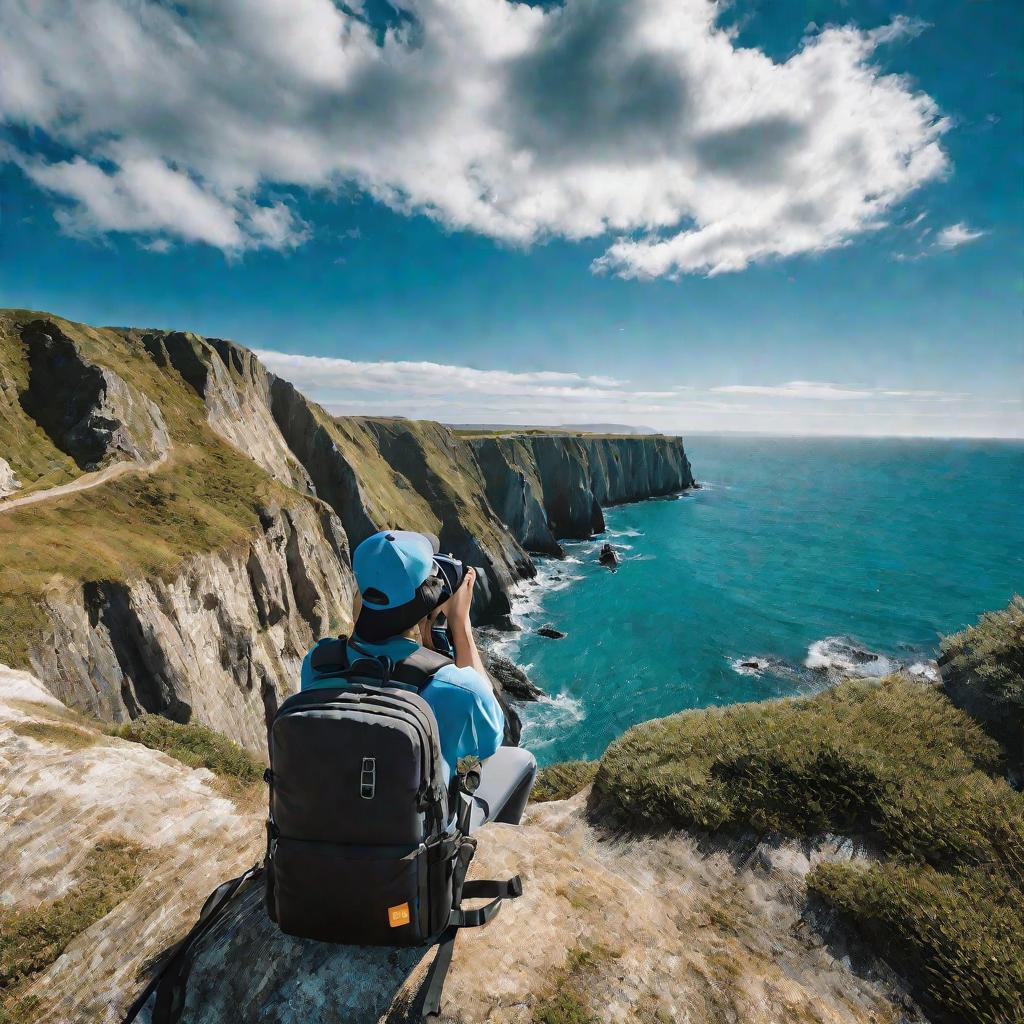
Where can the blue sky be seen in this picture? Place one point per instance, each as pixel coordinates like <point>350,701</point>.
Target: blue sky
<point>656,213</point>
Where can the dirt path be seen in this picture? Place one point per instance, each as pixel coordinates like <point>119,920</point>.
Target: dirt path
<point>85,482</point>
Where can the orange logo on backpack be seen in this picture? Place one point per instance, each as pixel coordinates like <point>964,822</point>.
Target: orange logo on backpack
<point>397,916</point>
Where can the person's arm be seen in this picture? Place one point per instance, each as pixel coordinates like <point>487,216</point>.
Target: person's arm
<point>457,609</point>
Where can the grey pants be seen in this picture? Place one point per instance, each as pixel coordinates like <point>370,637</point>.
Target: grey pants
<point>505,783</point>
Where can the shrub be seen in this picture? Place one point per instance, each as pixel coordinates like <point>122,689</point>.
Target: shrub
<point>563,780</point>
<point>958,935</point>
<point>196,746</point>
<point>983,672</point>
<point>892,760</point>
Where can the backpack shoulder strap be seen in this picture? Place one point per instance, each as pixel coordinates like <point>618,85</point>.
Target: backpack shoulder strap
<point>330,657</point>
<point>172,972</point>
<point>419,668</point>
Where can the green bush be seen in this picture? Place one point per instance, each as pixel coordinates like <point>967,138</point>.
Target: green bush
<point>563,780</point>
<point>983,672</point>
<point>194,745</point>
<point>958,934</point>
<point>893,759</point>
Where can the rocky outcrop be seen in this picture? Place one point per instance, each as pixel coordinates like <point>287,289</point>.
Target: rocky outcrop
<point>221,642</point>
<point>610,929</point>
<point>87,410</point>
<point>547,487</point>
<point>235,387</point>
<point>9,482</point>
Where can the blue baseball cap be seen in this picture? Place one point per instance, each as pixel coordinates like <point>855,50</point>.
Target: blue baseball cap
<point>398,580</point>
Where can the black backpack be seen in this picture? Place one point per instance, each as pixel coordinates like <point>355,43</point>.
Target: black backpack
<point>360,848</point>
<point>359,845</point>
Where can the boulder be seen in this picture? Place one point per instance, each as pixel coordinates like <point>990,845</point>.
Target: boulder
<point>551,633</point>
<point>511,678</point>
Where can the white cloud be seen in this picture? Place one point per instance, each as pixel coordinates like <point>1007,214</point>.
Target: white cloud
<point>797,389</point>
<point>825,392</point>
<point>639,119</point>
<point>956,235</point>
<point>462,394</point>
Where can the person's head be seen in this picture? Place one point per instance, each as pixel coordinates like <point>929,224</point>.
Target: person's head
<point>399,583</point>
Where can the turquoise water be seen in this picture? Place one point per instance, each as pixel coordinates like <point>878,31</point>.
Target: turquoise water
<point>887,543</point>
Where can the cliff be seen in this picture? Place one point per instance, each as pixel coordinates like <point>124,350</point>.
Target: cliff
<point>640,930</point>
<point>178,520</point>
<point>550,486</point>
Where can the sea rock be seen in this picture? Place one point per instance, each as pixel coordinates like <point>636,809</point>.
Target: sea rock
<point>677,929</point>
<point>551,633</point>
<point>609,556</point>
<point>512,679</point>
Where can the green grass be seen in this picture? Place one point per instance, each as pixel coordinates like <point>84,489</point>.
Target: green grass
<point>197,747</point>
<point>958,934</point>
<point>31,940</point>
<point>58,733</point>
<point>563,780</point>
<point>568,1000</point>
<point>983,671</point>
<point>893,761</point>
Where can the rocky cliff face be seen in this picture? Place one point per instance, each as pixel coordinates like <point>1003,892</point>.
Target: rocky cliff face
<point>201,608</point>
<point>553,486</point>
<point>221,642</point>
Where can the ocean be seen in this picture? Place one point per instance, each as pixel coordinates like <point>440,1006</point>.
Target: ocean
<point>798,561</point>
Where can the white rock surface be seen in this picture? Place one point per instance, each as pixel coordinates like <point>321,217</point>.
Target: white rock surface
<point>9,482</point>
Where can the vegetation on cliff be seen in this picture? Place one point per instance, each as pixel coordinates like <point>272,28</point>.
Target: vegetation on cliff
<point>237,771</point>
<point>207,496</point>
<point>891,762</point>
<point>563,780</point>
<point>983,672</point>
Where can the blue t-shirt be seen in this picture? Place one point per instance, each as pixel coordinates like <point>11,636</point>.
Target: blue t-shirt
<point>470,721</point>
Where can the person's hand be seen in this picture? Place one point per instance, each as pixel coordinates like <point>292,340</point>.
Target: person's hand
<point>458,605</point>
<point>426,626</point>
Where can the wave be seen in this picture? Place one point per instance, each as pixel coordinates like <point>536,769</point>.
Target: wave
<point>831,660</point>
<point>545,719</point>
<point>843,657</point>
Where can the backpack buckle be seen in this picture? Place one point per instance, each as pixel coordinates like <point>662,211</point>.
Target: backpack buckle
<point>368,778</point>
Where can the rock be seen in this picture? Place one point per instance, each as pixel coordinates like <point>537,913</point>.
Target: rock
<point>551,633</point>
<point>609,556</point>
<point>117,650</point>
<point>548,487</point>
<point>219,635</point>
<point>9,482</point>
<point>511,678</point>
<point>87,410</point>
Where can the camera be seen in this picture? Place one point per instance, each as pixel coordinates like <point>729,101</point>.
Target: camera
<point>452,572</point>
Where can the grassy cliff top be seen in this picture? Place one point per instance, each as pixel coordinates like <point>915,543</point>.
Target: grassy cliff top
<point>893,762</point>
<point>471,433</point>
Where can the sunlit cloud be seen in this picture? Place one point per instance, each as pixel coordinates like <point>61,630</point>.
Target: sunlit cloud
<point>641,123</point>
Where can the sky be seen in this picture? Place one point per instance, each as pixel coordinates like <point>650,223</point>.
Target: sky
<point>791,217</point>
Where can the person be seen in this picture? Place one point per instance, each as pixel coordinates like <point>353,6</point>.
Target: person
<point>400,596</point>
